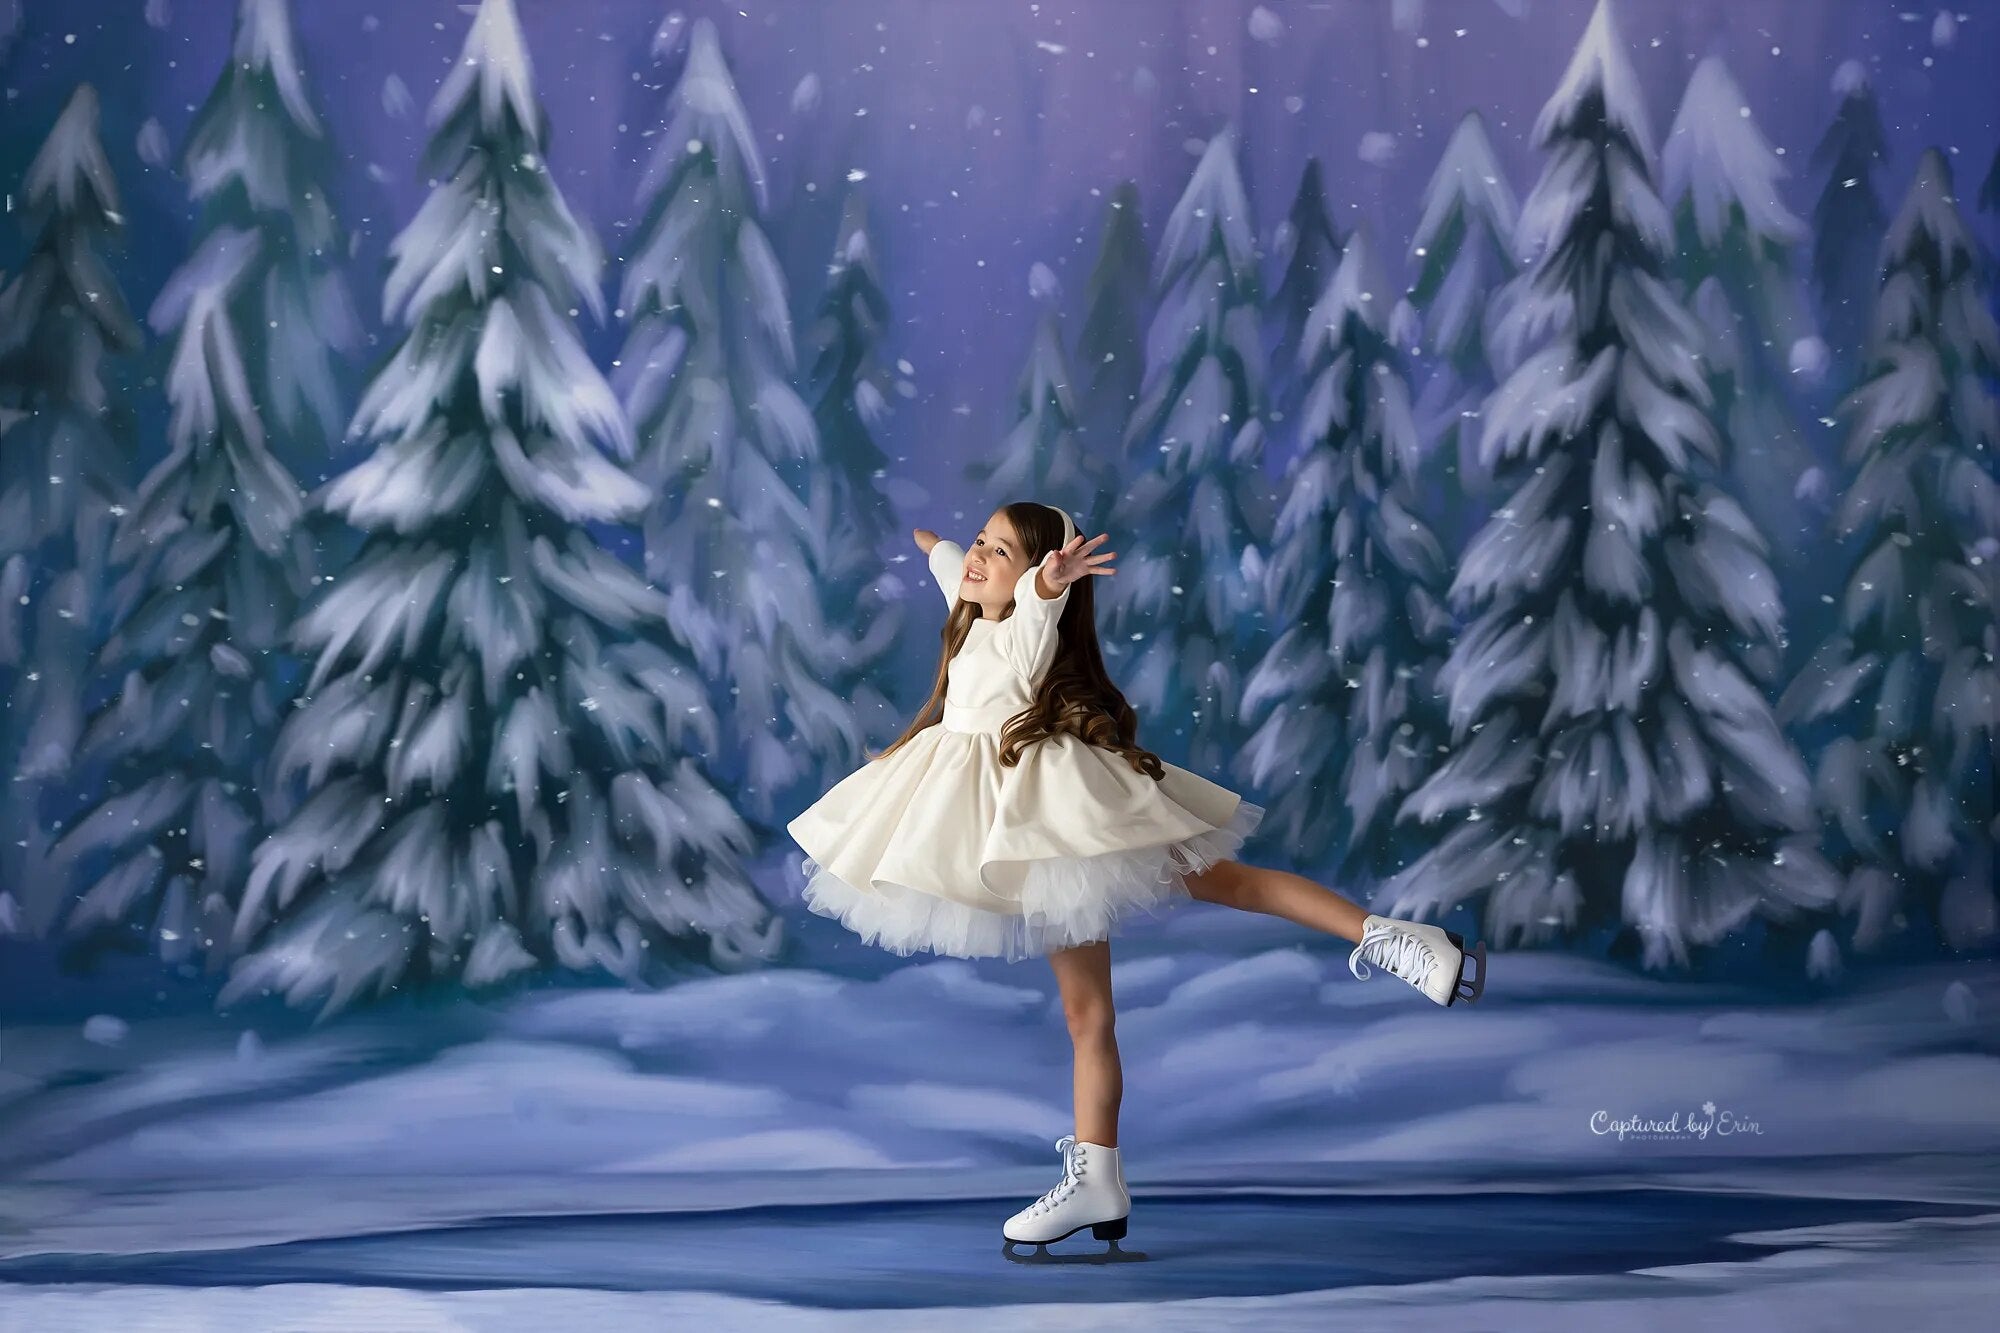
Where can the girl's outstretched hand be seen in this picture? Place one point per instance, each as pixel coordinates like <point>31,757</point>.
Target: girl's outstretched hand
<point>925,539</point>
<point>1074,560</point>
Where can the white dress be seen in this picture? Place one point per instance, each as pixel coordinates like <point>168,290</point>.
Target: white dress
<point>939,847</point>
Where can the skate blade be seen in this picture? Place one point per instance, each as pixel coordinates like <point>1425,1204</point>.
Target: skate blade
<point>1110,1232</point>
<point>1111,1254</point>
<point>1468,989</point>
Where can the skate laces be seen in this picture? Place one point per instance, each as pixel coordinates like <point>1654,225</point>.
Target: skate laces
<point>1401,951</point>
<point>1072,1153</point>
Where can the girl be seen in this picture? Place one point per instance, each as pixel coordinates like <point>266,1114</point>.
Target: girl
<point>1018,814</point>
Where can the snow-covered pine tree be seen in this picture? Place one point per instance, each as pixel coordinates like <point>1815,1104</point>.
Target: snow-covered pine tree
<point>1348,723</point>
<point>1110,348</point>
<point>849,404</point>
<point>705,376</point>
<point>257,158</point>
<point>1847,220</point>
<point>1907,690</point>
<point>844,493</point>
<point>1308,248</point>
<point>216,555</point>
<point>1042,456</point>
<point>66,463</point>
<point>501,734</point>
<point>1735,255</point>
<point>1463,254</point>
<point>1185,610</point>
<point>1613,764</point>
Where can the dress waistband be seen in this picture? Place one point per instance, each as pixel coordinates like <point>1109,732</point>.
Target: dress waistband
<point>986,718</point>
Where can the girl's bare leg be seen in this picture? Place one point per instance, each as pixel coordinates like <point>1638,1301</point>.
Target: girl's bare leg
<point>1278,893</point>
<point>1084,976</point>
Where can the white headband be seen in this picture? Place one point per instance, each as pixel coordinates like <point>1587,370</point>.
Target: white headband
<point>1069,524</point>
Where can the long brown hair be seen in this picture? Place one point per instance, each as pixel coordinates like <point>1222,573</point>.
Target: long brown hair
<point>1076,695</point>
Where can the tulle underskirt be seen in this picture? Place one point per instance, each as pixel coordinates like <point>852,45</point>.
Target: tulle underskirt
<point>1064,901</point>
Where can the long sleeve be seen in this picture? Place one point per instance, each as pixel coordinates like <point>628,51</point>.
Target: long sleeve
<point>948,568</point>
<point>1027,638</point>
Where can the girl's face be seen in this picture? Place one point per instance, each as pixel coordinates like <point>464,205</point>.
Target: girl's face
<point>993,564</point>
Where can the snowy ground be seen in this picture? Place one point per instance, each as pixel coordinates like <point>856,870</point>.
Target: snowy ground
<point>1248,1070</point>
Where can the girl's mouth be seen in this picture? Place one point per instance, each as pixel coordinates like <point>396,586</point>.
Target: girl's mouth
<point>971,577</point>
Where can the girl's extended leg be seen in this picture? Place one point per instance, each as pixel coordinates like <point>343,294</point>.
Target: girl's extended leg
<point>1278,893</point>
<point>1084,976</point>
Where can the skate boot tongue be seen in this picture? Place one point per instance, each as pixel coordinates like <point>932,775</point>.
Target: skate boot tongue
<point>1073,1153</point>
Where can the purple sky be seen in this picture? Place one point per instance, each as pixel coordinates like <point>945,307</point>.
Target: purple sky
<point>988,129</point>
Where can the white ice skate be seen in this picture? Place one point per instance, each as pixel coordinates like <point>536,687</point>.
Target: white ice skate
<point>1091,1194</point>
<point>1428,957</point>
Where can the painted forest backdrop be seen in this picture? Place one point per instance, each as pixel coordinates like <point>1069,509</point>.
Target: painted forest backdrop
<point>1607,560</point>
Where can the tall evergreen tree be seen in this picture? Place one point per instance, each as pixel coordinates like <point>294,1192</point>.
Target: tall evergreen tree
<point>849,404</point>
<point>217,554</point>
<point>1110,348</point>
<point>500,737</point>
<point>1041,454</point>
<point>1613,764</point>
<point>1463,253</point>
<point>1346,696</point>
<point>1735,255</point>
<point>1185,610</point>
<point>845,492</point>
<point>66,462</point>
<point>258,158</point>
<point>1308,250</point>
<point>1306,246</point>
<point>1848,219</point>
<point>1908,685</point>
<point>705,376</point>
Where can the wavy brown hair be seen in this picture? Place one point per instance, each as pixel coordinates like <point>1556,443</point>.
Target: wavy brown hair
<point>1076,696</point>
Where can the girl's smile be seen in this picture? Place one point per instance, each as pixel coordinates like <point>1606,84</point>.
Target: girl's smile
<point>993,564</point>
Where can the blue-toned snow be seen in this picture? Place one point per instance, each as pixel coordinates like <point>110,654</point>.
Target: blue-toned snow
<point>1287,1130</point>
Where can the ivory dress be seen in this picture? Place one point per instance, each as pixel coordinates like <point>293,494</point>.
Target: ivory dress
<point>939,847</point>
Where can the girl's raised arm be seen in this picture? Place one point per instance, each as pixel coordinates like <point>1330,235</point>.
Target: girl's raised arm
<point>947,567</point>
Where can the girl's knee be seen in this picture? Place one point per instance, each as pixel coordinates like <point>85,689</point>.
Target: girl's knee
<point>1090,1019</point>
<point>1217,884</point>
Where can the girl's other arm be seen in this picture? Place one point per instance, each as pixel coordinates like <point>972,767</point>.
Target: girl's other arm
<point>1027,638</point>
<point>947,563</point>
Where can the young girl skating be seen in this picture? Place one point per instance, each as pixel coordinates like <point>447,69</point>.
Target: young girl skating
<point>1018,815</point>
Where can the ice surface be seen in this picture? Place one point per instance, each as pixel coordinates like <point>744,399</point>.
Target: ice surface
<point>1926,1272</point>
